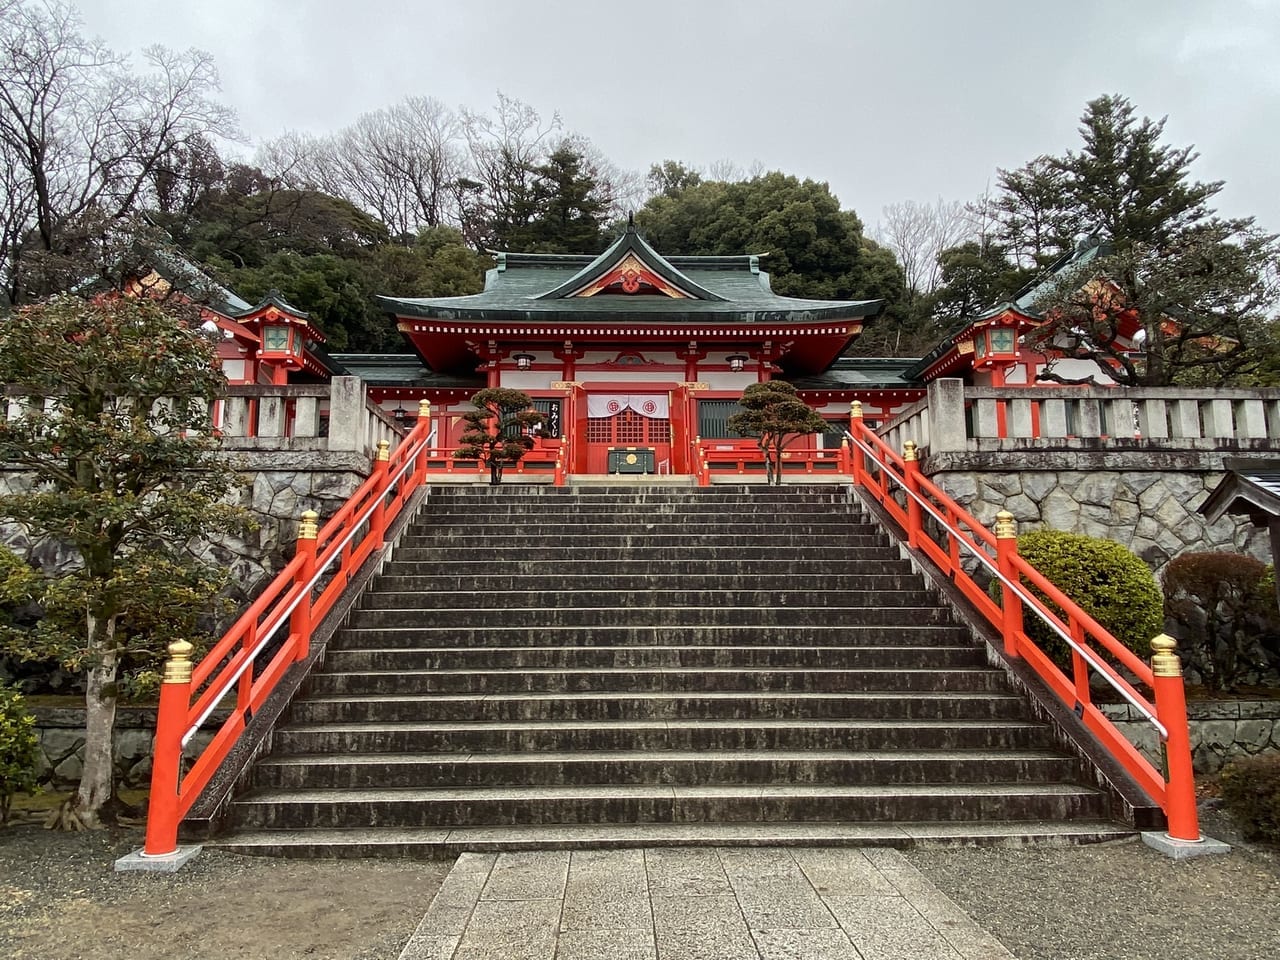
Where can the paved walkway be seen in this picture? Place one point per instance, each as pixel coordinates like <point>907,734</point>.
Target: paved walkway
<point>695,904</point>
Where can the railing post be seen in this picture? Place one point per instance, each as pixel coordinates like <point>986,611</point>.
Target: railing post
<point>911,476</point>
<point>420,468</point>
<point>855,421</point>
<point>378,520</point>
<point>166,763</point>
<point>300,622</point>
<point>1171,708</point>
<point>559,474</point>
<point>846,458</point>
<point>1006,550</point>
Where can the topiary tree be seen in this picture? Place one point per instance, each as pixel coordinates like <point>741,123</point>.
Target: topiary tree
<point>1106,579</point>
<point>775,415</point>
<point>498,430</point>
<point>19,749</point>
<point>1222,609</point>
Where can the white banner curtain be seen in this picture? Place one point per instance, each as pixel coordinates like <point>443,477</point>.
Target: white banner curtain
<point>654,405</point>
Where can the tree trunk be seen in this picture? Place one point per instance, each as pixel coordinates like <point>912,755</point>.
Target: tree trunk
<point>97,782</point>
<point>495,472</point>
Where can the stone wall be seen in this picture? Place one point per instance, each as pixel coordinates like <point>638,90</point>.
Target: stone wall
<point>280,484</point>
<point>60,731</point>
<point>1221,730</point>
<point>1146,500</point>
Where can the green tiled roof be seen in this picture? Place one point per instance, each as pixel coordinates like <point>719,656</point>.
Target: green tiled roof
<point>400,370</point>
<point>534,287</point>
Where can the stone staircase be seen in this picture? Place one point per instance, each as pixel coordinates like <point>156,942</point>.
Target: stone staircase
<point>620,666</point>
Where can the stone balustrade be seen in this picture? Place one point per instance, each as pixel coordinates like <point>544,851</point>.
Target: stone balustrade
<point>954,418</point>
<point>336,417</point>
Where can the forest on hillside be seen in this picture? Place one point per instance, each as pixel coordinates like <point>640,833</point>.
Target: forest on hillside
<point>105,158</point>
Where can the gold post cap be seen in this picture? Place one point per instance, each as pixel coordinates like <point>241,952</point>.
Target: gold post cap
<point>177,669</point>
<point>909,451</point>
<point>855,408</point>
<point>1006,526</point>
<point>384,450</point>
<point>309,528</point>
<point>1164,658</point>
<point>424,409</point>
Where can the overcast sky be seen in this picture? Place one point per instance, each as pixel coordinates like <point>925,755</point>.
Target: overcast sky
<point>887,100</point>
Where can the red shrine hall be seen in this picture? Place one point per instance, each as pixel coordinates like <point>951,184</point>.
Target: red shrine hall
<point>630,355</point>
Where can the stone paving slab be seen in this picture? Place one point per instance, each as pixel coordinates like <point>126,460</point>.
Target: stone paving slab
<point>673,903</point>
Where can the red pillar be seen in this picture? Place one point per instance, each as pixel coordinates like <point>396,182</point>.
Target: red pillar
<point>300,622</point>
<point>166,762</point>
<point>378,522</point>
<point>1171,708</point>
<point>911,474</point>
<point>1006,550</point>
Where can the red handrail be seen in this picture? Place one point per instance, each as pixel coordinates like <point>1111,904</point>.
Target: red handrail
<point>944,531</point>
<point>290,603</point>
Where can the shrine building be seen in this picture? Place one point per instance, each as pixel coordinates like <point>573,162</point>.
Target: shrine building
<point>634,351</point>
<point>632,356</point>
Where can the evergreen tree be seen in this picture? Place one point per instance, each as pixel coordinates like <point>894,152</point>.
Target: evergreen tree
<point>498,429</point>
<point>123,468</point>
<point>774,414</point>
<point>1200,289</point>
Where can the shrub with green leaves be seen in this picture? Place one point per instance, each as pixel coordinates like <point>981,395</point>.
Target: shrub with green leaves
<point>1106,579</point>
<point>19,749</point>
<point>1251,792</point>
<point>1222,609</point>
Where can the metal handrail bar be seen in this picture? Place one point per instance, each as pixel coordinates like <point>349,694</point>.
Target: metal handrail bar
<point>1031,601</point>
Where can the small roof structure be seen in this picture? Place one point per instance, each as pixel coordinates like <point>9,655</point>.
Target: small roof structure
<point>629,294</point>
<point>274,309</point>
<point>954,354</point>
<point>1251,488</point>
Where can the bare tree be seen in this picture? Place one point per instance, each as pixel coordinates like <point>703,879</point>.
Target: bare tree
<point>398,163</point>
<point>83,136</point>
<point>917,233</point>
<point>505,148</point>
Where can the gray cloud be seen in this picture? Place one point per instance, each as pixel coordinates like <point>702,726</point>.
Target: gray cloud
<point>885,100</point>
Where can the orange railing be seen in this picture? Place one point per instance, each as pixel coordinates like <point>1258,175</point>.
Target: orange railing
<point>325,561</point>
<point>943,531</point>
<point>730,458</point>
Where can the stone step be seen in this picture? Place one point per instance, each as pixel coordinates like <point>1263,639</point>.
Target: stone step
<point>532,534</point>
<point>657,705</point>
<point>648,735</point>
<point>613,579</point>
<point>652,680</point>
<point>647,803</point>
<point>641,597</point>
<point>658,564</point>
<point>687,616</point>
<point>444,842</point>
<point>421,635</point>
<point>705,510</point>
<point>633,657</point>
<point>688,551</point>
<point>737,767</point>
<point>585,492</point>
<point>536,531</point>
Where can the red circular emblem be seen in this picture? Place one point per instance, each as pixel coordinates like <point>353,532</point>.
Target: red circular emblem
<point>614,406</point>
<point>650,407</point>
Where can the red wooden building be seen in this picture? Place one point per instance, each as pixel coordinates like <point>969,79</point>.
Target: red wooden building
<point>632,351</point>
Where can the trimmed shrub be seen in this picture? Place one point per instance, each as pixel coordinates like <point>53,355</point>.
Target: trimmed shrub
<point>1251,793</point>
<point>1105,578</point>
<point>1222,609</point>
<point>19,750</point>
